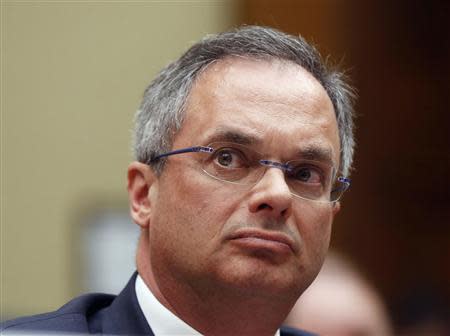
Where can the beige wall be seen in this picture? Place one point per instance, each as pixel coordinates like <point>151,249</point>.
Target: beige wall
<point>72,77</point>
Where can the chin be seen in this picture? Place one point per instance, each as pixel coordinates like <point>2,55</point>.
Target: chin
<point>259,278</point>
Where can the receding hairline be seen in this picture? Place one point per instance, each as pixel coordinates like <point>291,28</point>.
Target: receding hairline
<point>230,60</point>
<point>271,60</point>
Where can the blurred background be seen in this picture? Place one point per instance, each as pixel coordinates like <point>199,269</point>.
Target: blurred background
<point>73,73</point>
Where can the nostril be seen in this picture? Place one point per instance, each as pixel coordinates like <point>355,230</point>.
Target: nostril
<point>264,206</point>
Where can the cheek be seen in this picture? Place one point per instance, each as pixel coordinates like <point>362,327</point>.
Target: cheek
<point>188,222</point>
<point>314,219</point>
<point>315,231</point>
<point>193,208</point>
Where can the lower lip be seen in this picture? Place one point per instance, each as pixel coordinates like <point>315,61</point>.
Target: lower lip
<point>254,243</point>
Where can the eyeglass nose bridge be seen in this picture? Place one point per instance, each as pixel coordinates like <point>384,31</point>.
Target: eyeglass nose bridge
<point>284,167</point>
<point>273,164</point>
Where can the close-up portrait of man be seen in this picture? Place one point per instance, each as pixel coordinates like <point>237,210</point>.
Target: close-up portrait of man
<point>241,167</point>
<point>243,146</point>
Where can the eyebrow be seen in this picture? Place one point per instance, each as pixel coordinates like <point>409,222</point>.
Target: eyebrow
<point>316,153</point>
<point>310,152</point>
<point>235,136</point>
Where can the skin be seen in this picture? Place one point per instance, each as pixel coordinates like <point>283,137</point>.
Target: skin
<point>186,254</point>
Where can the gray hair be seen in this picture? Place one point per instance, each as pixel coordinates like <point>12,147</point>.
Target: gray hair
<point>162,110</point>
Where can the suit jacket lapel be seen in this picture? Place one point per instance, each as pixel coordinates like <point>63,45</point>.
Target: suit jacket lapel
<point>124,315</point>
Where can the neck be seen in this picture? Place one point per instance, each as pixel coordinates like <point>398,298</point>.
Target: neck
<point>213,309</point>
<point>225,313</point>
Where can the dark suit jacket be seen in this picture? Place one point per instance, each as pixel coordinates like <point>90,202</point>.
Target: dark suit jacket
<point>97,314</point>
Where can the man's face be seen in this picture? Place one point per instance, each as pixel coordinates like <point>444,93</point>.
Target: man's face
<point>206,233</point>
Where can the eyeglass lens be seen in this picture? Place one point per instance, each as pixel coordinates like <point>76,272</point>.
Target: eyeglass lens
<point>241,165</point>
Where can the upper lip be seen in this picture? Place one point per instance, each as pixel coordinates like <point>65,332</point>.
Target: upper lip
<point>264,234</point>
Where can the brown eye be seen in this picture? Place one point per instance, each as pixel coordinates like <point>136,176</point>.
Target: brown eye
<point>229,158</point>
<point>225,158</point>
<point>306,174</point>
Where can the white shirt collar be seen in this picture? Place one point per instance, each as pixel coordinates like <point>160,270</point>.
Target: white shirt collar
<point>163,321</point>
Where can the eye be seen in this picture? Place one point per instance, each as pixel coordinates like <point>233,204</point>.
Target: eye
<point>306,174</point>
<point>229,158</point>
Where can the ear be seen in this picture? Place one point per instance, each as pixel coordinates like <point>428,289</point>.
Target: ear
<point>336,208</point>
<point>142,183</point>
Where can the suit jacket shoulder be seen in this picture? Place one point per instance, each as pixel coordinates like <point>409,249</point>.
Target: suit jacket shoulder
<point>88,314</point>
<point>73,317</point>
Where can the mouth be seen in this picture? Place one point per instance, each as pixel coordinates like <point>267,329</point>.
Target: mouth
<point>266,240</point>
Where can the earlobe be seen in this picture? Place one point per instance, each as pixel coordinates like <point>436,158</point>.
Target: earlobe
<point>141,180</point>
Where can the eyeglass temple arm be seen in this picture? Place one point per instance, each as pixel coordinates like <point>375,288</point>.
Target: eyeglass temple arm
<point>184,150</point>
<point>345,183</point>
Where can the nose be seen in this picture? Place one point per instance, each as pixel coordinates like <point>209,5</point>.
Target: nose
<point>271,195</point>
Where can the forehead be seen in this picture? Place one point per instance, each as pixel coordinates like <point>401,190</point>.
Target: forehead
<point>272,103</point>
